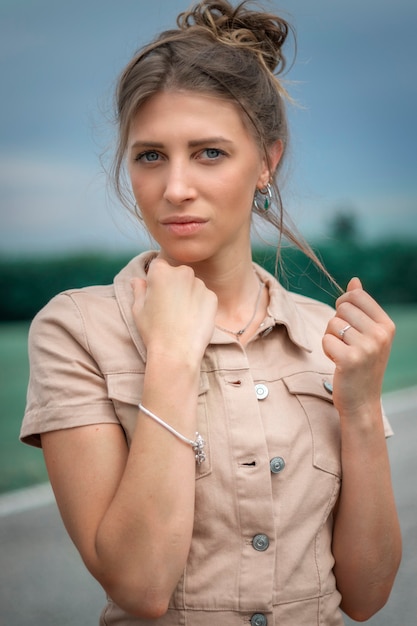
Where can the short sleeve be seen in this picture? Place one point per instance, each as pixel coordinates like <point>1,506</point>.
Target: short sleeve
<point>66,387</point>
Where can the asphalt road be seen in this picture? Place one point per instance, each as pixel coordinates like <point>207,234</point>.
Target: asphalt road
<point>44,583</point>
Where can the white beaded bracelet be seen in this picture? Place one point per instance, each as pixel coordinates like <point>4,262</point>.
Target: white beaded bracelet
<point>197,445</point>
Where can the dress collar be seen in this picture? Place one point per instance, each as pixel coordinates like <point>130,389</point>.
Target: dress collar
<point>283,307</point>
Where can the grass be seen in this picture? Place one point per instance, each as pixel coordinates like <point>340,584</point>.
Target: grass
<point>402,366</point>
<point>22,465</point>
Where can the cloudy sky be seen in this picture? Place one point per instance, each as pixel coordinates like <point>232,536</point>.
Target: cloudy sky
<point>354,137</point>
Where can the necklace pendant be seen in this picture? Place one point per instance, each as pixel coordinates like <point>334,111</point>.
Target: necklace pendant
<point>239,333</point>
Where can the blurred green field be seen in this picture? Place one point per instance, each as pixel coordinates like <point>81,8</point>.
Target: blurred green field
<point>21,466</point>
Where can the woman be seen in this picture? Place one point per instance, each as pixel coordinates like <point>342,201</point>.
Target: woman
<point>215,444</point>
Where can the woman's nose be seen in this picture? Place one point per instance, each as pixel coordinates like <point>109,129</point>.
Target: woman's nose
<point>178,187</point>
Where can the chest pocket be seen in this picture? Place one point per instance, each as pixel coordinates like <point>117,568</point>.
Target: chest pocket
<point>314,393</point>
<point>125,391</point>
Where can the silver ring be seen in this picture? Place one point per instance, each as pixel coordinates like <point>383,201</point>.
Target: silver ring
<point>341,333</point>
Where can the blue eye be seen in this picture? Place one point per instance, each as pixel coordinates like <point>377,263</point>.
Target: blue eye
<point>148,157</point>
<point>213,153</point>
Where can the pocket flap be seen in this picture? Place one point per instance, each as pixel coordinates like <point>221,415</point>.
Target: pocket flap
<point>315,384</point>
<point>127,386</point>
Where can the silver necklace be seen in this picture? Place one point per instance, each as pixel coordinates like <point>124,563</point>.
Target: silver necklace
<point>239,333</point>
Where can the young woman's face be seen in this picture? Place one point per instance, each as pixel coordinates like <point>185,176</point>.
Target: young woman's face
<point>194,169</point>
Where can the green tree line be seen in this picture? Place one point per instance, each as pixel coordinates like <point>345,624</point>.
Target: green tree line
<point>388,271</point>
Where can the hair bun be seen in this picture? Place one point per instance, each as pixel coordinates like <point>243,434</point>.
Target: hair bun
<point>263,33</point>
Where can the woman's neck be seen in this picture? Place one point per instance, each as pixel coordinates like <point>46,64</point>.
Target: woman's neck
<point>232,280</point>
<point>242,298</point>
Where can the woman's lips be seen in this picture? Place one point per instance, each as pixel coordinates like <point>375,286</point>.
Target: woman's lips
<point>184,225</point>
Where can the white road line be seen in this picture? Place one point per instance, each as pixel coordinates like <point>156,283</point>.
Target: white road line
<point>40,495</point>
<point>25,499</point>
<point>396,402</point>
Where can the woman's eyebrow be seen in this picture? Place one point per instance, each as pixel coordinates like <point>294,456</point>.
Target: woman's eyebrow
<point>208,140</point>
<point>193,143</point>
<point>146,144</point>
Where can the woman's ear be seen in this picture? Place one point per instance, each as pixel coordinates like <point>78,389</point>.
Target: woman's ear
<point>274,153</point>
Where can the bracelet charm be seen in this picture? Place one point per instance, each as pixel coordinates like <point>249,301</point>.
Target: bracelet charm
<point>198,448</point>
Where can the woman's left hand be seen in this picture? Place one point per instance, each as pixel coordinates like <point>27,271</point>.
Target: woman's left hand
<point>358,340</point>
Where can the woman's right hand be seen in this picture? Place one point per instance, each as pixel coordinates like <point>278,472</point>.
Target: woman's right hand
<point>174,311</point>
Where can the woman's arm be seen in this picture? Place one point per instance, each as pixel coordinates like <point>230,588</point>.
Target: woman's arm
<point>130,513</point>
<point>367,538</point>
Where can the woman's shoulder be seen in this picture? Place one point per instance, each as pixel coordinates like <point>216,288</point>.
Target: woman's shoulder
<point>285,298</point>
<point>69,306</point>
<point>311,305</point>
<point>93,300</point>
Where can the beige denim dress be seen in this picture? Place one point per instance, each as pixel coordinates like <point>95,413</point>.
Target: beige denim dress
<point>261,548</point>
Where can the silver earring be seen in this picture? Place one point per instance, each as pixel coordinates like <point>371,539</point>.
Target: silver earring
<point>137,212</point>
<point>262,199</point>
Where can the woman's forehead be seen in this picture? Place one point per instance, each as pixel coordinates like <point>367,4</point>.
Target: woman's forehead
<point>202,108</point>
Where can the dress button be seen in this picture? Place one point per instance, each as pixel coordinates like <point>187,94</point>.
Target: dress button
<point>258,619</point>
<point>277,464</point>
<point>328,386</point>
<point>260,543</point>
<point>262,391</point>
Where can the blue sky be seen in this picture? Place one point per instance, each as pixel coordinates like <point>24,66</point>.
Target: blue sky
<point>354,136</point>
